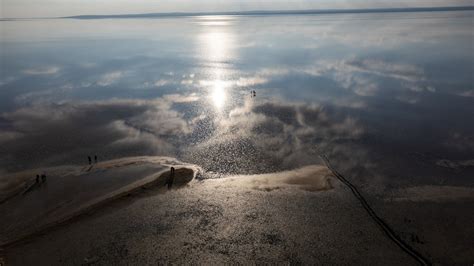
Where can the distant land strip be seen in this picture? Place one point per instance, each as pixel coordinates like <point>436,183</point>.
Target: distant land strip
<point>278,12</point>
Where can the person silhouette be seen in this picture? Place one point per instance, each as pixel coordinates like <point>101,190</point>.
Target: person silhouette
<point>95,158</point>
<point>43,178</point>
<point>37,179</point>
<point>90,160</point>
<point>170,180</point>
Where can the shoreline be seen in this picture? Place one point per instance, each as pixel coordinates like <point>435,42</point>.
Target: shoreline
<point>297,185</point>
<point>309,178</point>
<point>84,211</point>
<point>59,204</point>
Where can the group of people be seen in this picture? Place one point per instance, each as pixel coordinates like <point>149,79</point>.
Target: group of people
<point>169,179</point>
<point>253,94</point>
<point>41,178</point>
<point>90,159</point>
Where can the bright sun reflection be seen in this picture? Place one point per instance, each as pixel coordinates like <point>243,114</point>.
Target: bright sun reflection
<point>218,93</point>
<point>216,48</point>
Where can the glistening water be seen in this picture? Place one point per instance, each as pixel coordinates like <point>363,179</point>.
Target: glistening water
<point>386,96</point>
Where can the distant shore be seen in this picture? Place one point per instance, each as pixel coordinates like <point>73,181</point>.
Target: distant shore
<point>279,12</point>
<point>262,13</point>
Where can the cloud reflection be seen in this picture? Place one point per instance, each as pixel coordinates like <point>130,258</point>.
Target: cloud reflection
<point>42,70</point>
<point>248,139</point>
<point>183,91</point>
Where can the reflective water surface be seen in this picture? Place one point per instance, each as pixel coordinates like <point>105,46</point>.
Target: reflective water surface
<point>388,97</point>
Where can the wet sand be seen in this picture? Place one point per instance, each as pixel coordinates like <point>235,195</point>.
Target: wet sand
<point>302,216</point>
<point>245,219</point>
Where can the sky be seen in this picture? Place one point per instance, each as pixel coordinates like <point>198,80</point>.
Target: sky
<point>56,8</point>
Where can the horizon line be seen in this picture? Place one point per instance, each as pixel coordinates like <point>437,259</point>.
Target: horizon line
<point>278,12</point>
<point>260,12</point>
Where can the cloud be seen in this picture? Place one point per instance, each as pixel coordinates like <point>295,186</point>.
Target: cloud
<point>364,77</point>
<point>346,103</point>
<point>46,134</point>
<point>178,98</point>
<point>407,99</point>
<point>467,93</point>
<point>360,85</point>
<point>45,96</point>
<point>187,82</point>
<point>109,78</point>
<point>6,80</point>
<point>245,81</point>
<point>256,137</point>
<point>250,81</point>
<point>271,136</point>
<point>42,70</point>
<point>400,71</point>
<point>161,82</point>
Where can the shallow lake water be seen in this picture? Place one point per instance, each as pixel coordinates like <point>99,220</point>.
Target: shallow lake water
<point>387,97</point>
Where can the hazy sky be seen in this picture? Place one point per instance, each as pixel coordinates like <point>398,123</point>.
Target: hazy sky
<point>42,8</point>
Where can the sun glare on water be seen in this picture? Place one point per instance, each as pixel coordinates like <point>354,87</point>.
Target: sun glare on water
<point>218,94</point>
<point>216,50</point>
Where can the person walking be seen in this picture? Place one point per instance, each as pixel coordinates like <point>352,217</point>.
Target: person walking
<point>37,179</point>
<point>170,179</point>
<point>95,158</point>
<point>90,160</point>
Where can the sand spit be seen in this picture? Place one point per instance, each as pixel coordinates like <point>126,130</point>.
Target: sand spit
<point>309,178</point>
<point>70,191</point>
<point>13,184</point>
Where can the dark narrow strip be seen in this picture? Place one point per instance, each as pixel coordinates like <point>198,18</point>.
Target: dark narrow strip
<point>279,12</point>
<point>385,227</point>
